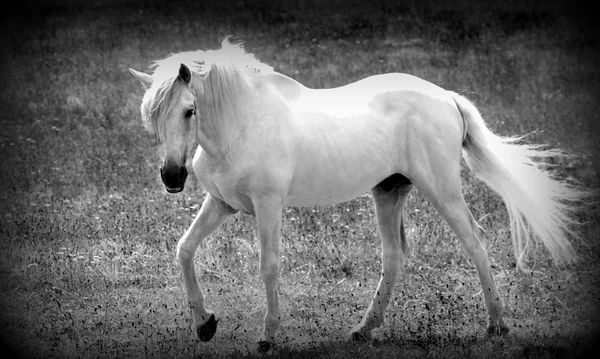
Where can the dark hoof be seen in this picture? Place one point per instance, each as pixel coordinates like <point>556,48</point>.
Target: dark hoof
<point>497,330</point>
<point>208,329</point>
<point>264,347</point>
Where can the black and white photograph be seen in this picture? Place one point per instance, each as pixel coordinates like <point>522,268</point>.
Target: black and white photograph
<point>299,179</point>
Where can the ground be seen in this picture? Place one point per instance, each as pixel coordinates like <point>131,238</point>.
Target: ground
<point>88,234</point>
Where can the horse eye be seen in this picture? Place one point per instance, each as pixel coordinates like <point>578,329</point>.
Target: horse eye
<point>189,113</point>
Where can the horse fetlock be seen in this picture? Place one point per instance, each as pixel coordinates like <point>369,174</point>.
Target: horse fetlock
<point>270,330</point>
<point>199,317</point>
<point>362,331</point>
<point>266,341</point>
<point>272,320</point>
<point>497,327</point>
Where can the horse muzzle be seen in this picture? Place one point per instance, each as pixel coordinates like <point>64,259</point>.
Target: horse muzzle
<point>173,178</point>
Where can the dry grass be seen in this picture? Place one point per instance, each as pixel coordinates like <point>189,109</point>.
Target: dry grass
<point>88,233</point>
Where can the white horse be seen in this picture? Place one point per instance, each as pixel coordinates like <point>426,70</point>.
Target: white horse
<point>267,142</point>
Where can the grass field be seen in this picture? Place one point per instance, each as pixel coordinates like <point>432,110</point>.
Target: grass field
<point>88,233</point>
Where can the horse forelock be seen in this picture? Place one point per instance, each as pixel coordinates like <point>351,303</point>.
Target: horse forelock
<point>161,97</point>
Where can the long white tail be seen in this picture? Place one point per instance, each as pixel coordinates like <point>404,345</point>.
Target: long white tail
<point>541,207</point>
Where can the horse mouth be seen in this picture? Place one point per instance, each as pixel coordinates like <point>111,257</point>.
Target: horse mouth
<point>174,190</point>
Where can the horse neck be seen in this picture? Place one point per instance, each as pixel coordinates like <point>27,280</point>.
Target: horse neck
<point>224,106</point>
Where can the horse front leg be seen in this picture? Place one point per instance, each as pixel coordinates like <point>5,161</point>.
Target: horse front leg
<point>211,216</point>
<point>268,215</point>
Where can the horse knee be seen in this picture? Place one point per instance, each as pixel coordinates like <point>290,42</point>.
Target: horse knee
<point>269,270</point>
<point>184,253</point>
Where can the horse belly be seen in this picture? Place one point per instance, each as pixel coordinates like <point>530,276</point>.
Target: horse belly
<point>333,168</point>
<point>331,191</point>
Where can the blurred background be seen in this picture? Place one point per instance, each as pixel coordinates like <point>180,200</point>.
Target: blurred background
<point>88,234</point>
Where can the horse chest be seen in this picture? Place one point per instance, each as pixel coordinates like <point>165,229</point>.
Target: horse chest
<point>227,187</point>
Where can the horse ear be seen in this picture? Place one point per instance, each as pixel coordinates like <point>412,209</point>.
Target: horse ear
<point>144,78</point>
<point>184,74</point>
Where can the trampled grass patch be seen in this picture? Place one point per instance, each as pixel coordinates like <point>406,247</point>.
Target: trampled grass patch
<point>88,235</point>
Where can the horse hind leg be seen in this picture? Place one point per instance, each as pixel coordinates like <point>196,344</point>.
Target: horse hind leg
<point>447,198</point>
<point>389,196</point>
<point>472,238</point>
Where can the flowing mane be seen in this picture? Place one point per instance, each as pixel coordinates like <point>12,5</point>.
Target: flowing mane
<point>225,74</point>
